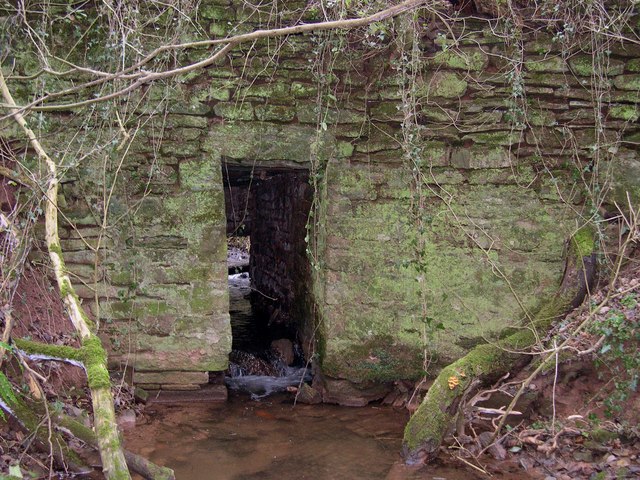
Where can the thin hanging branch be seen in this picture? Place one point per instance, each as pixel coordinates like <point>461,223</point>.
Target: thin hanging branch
<point>141,77</point>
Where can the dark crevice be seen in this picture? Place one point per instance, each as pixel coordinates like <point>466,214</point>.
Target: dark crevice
<point>267,211</point>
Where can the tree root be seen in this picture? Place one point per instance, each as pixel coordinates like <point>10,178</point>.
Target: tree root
<point>485,363</point>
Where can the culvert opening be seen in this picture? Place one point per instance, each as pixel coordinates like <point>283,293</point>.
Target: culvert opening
<point>267,211</point>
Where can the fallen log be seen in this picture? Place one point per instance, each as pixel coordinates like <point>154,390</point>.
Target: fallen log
<point>26,416</point>
<point>136,463</point>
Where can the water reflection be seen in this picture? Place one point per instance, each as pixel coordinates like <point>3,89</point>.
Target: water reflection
<point>270,440</point>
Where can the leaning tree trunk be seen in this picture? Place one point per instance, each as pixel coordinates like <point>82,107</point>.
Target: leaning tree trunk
<point>432,420</point>
<point>113,462</point>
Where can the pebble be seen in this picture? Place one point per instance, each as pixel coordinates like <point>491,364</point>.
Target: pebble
<point>127,419</point>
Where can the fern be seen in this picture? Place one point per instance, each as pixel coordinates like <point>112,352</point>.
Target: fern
<point>6,393</point>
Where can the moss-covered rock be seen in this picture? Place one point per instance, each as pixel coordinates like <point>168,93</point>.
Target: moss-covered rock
<point>443,84</point>
<point>461,59</point>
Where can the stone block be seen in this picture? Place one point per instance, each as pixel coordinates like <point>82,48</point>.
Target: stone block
<point>279,113</point>
<point>349,394</point>
<point>205,393</point>
<point>623,177</point>
<point>478,156</point>
<point>443,84</point>
<point>502,138</point>
<point>274,91</point>
<point>629,113</point>
<point>267,142</point>
<point>331,116</point>
<point>209,352</point>
<point>187,121</point>
<point>203,173</point>
<point>435,153</point>
<point>216,12</point>
<point>303,90</point>
<point>548,63</point>
<point>633,65</point>
<point>627,82</point>
<point>583,65</point>
<point>470,59</point>
<point>234,110</point>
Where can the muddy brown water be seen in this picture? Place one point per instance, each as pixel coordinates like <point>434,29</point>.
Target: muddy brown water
<point>271,439</point>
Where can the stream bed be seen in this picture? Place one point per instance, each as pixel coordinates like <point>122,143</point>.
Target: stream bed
<point>273,439</point>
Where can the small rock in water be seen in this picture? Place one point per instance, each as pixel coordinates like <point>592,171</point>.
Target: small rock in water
<point>284,348</point>
<point>308,394</point>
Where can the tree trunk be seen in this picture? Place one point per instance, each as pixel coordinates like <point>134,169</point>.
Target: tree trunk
<point>113,462</point>
<point>486,363</point>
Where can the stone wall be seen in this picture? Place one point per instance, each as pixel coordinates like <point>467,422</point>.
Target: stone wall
<point>464,224</point>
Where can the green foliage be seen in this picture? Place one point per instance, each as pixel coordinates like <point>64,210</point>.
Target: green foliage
<point>7,394</point>
<point>619,352</point>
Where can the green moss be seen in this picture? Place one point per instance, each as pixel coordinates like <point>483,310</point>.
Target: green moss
<point>428,425</point>
<point>499,138</point>
<point>627,82</point>
<point>345,149</point>
<point>582,65</point>
<point>55,248</point>
<point>95,360</point>
<point>234,110</point>
<point>30,415</point>
<point>56,351</point>
<point>462,60</point>
<point>633,65</point>
<point>628,113</point>
<point>378,359</point>
<point>66,288</point>
<point>216,12</point>
<point>303,90</point>
<point>444,84</point>
<point>273,91</point>
<point>278,113</point>
<point>546,64</point>
<point>584,242</point>
<point>90,323</point>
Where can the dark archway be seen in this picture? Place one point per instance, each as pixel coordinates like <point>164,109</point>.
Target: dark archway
<point>270,207</point>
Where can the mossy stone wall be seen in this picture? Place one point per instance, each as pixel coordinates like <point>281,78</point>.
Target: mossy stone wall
<point>476,248</point>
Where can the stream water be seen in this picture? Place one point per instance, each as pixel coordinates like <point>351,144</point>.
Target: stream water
<point>273,439</point>
<point>244,439</point>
